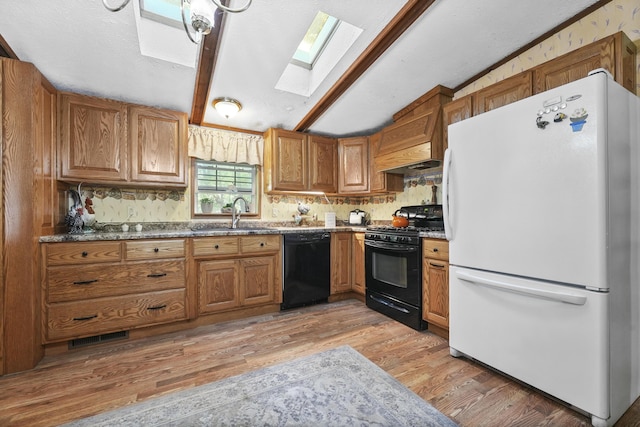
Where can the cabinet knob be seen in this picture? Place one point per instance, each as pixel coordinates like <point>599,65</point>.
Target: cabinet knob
<point>85,253</point>
<point>435,249</point>
<point>261,244</point>
<point>216,246</point>
<point>156,250</point>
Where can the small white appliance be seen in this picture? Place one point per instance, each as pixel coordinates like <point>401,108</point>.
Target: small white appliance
<point>541,211</point>
<point>357,217</point>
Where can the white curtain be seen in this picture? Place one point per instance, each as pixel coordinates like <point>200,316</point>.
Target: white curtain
<point>225,146</point>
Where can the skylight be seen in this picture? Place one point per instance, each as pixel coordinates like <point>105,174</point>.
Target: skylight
<point>315,40</point>
<point>163,11</point>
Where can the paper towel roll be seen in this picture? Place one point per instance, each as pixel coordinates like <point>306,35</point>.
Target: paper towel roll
<point>330,219</point>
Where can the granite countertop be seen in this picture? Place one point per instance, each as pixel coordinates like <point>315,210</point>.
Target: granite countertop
<point>183,230</point>
<point>188,232</point>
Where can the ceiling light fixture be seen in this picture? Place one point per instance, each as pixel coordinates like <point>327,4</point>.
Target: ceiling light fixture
<point>201,15</point>
<point>227,107</point>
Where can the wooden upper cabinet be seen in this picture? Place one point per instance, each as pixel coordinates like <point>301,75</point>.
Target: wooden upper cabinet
<point>353,174</point>
<point>110,142</point>
<point>286,161</point>
<point>295,161</point>
<point>158,149</point>
<point>323,161</point>
<point>93,139</point>
<point>454,112</point>
<point>616,54</point>
<point>381,182</point>
<point>502,93</point>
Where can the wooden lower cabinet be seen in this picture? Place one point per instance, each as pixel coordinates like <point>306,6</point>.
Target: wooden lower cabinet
<point>237,272</point>
<point>230,284</point>
<point>358,284</point>
<point>341,262</point>
<point>435,286</point>
<point>92,288</point>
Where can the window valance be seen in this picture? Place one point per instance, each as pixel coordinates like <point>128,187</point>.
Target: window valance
<point>225,146</point>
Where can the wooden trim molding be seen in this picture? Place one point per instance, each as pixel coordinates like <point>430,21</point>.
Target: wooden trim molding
<point>597,5</point>
<point>5,49</point>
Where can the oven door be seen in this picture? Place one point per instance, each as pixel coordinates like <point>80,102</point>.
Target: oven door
<point>394,270</point>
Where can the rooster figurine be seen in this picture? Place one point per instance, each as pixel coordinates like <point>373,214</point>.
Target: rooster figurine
<point>73,218</point>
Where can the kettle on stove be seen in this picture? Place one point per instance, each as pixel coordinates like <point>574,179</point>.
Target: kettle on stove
<point>357,217</point>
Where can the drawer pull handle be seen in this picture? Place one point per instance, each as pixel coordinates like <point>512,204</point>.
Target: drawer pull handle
<point>436,265</point>
<point>156,250</point>
<point>157,307</point>
<point>86,317</point>
<point>261,244</point>
<point>156,275</point>
<point>85,282</point>
<point>216,246</point>
<point>85,254</point>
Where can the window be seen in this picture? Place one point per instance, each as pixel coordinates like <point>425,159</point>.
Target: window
<point>217,184</point>
<point>166,12</point>
<point>315,40</point>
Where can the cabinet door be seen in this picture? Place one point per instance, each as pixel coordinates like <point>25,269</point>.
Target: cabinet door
<point>218,286</point>
<point>502,93</point>
<point>93,135</point>
<point>257,280</point>
<point>158,140</point>
<point>353,175</point>
<point>288,152</point>
<point>340,262</point>
<point>435,304</point>
<point>323,164</point>
<point>454,112</point>
<point>46,207</point>
<point>358,264</point>
<point>381,182</point>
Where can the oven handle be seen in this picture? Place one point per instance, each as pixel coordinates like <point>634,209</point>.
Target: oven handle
<point>446,198</point>
<point>389,304</point>
<point>397,248</point>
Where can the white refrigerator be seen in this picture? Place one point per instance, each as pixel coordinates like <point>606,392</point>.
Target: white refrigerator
<point>541,214</point>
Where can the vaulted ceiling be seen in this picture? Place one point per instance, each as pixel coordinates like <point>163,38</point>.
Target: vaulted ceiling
<point>406,48</point>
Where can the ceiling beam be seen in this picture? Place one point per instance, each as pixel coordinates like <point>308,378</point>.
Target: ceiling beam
<point>207,59</point>
<point>597,5</point>
<point>398,25</point>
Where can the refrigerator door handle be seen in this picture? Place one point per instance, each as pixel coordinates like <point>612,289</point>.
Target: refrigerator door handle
<point>448,232</point>
<point>564,297</point>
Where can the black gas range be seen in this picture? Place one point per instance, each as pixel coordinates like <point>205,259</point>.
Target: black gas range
<point>393,264</point>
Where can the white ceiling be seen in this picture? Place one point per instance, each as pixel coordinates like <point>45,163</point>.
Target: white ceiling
<point>81,47</point>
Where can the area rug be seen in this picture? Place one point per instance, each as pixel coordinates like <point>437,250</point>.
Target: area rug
<point>338,387</point>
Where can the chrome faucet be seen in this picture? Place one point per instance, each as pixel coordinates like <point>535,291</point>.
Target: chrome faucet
<point>234,219</point>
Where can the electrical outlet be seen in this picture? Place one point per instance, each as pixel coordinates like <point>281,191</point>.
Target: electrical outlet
<point>131,212</point>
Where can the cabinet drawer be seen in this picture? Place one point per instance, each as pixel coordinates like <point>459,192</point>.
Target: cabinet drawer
<point>264,243</point>
<point>82,253</point>
<point>102,315</point>
<point>155,249</point>
<point>93,281</point>
<point>436,249</point>
<point>215,246</point>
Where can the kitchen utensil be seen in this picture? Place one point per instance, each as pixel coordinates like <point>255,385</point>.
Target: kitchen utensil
<point>399,220</point>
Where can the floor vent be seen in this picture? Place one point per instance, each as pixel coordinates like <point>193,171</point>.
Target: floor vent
<point>97,339</point>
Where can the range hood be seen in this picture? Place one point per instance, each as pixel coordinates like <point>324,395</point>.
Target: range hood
<point>412,144</point>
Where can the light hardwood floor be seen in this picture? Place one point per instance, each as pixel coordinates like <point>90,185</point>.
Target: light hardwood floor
<point>87,381</point>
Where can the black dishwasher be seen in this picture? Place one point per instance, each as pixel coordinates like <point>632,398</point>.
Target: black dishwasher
<point>307,269</point>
